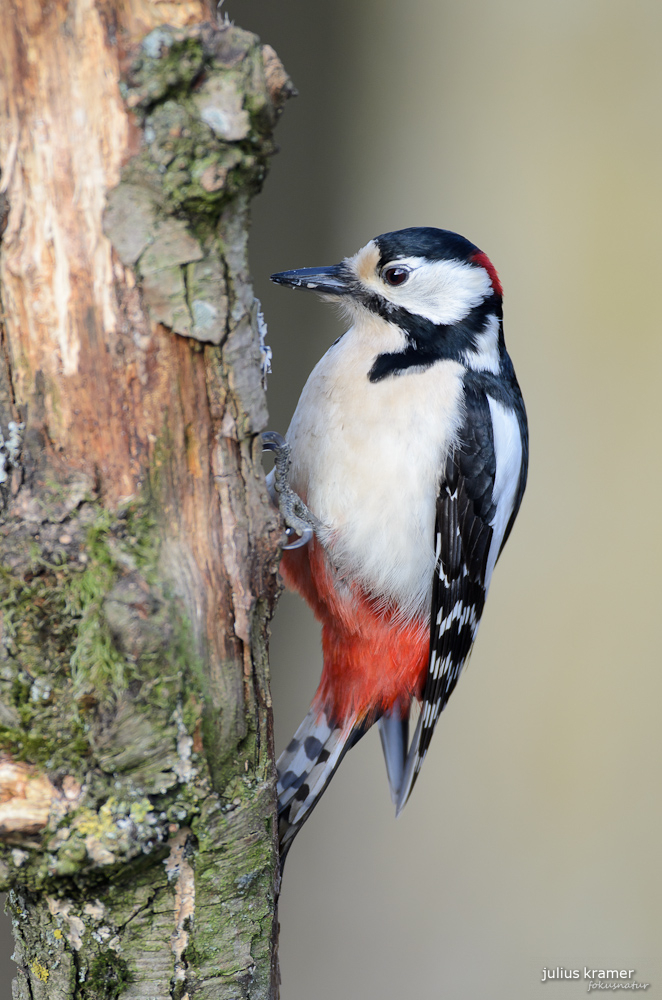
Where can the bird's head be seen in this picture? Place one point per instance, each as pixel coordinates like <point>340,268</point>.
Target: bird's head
<point>439,289</point>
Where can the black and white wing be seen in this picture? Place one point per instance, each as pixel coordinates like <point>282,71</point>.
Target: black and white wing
<point>479,497</point>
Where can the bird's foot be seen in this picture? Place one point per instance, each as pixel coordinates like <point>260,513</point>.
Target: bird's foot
<point>298,519</point>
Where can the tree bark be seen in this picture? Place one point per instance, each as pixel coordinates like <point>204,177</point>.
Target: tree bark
<point>138,549</point>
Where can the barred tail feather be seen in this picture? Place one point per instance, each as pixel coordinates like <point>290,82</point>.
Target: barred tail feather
<point>306,767</point>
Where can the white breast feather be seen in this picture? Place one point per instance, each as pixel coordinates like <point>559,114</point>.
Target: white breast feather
<point>367,458</point>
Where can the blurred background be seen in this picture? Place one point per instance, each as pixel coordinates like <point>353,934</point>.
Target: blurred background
<point>533,837</point>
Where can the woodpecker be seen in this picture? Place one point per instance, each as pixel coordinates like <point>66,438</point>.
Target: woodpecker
<point>403,470</point>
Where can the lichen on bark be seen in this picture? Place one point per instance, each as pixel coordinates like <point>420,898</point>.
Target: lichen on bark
<point>138,550</point>
<point>206,117</point>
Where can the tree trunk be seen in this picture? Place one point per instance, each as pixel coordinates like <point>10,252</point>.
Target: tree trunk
<point>137,544</point>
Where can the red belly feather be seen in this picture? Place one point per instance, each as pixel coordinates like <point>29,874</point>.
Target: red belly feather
<point>371,657</point>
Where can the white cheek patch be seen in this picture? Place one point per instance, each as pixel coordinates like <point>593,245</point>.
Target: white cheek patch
<point>442,291</point>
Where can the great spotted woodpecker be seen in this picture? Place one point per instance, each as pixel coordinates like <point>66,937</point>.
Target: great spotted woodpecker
<point>404,469</point>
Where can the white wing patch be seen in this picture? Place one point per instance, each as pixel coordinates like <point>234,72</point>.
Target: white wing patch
<point>508,451</point>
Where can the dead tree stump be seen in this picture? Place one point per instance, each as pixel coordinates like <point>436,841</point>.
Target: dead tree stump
<point>138,549</point>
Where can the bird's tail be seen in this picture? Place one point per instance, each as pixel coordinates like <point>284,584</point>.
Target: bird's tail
<point>306,767</point>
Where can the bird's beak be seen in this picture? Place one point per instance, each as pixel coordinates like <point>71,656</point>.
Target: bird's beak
<point>323,280</point>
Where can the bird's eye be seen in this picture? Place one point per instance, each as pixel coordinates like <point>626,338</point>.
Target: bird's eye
<point>395,275</point>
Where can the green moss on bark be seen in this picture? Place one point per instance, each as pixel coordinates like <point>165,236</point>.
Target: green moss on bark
<point>99,679</point>
<point>60,656</point>
<point>108,975</point>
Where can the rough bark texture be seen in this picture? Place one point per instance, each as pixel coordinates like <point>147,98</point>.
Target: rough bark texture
<point>137,545</point>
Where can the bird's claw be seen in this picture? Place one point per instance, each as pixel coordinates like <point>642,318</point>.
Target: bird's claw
<point>297,517</point>
<point>305,537</point>
<point>273,441</point>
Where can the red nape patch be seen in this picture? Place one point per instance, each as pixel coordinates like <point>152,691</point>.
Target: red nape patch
<point>371,659</point>
<point>484,261</point>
